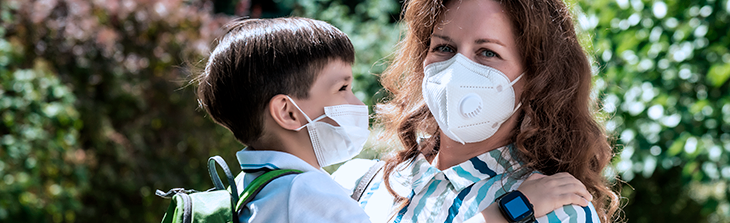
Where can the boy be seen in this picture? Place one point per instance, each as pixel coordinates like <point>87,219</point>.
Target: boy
<point>270,78</point>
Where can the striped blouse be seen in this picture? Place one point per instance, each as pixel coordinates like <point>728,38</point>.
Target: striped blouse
<point>452,195</point>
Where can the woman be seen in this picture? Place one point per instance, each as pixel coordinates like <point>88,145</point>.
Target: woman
<point>484,93</point>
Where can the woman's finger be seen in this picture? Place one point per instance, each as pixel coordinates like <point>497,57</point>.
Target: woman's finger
<point>569,181</point>
<point>577,189</point>
<point>574,199</point>
<point>535,176</point>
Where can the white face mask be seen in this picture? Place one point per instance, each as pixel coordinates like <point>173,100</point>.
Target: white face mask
<point>335,144</point>
<point>468,100</point>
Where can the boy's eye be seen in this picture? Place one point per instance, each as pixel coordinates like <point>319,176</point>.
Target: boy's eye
<point>343,88</point>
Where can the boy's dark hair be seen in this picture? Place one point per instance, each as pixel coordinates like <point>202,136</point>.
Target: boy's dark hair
<point>258,59</point>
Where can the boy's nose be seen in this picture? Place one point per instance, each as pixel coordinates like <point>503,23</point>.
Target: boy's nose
<point>354,100</point>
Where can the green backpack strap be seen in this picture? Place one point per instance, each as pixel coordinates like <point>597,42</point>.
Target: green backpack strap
<point>211,206</point>
<point>257,184</point>
<point>217,180</point>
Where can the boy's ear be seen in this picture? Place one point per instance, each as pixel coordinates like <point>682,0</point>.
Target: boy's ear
<point>284,112</point>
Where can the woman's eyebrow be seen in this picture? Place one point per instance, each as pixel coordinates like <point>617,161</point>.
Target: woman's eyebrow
<point>442,37</point>
<point>478,41</point>
<point>487,40</point>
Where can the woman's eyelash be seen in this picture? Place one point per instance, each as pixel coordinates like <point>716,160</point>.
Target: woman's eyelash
<point>442,47</point>
<point>343,88</point>
<point>445,48</point>
<point>493,54</point>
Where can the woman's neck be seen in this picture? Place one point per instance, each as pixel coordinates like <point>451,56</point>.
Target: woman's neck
<point>452,153</point>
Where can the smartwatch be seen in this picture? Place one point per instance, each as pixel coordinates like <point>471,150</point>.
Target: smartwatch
<point>516,208</point>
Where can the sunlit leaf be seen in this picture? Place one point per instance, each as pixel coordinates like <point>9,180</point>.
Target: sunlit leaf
<point>718,74</point>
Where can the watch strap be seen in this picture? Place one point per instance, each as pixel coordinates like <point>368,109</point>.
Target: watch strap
<point>528,219</point>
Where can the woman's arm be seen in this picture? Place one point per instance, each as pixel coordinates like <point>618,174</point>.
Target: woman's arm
<point>546,193</point>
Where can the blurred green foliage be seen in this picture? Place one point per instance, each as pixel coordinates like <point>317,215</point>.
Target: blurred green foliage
<point>662,69</point>
<point>38,112</point>
<point>97,112</point>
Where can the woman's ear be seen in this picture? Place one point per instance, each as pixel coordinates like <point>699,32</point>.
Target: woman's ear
<point>284,113</point>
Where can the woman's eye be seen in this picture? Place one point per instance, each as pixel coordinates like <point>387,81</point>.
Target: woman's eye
<point>343,88</point>
<point>443,49</point>
<point>489,54</point>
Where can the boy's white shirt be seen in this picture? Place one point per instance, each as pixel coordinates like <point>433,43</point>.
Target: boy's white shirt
<point>311,196</point>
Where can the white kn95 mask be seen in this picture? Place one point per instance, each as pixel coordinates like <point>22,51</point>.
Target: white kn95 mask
<point>468,100</point>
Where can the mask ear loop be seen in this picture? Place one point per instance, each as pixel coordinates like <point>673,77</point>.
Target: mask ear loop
<point>516,79</point>
<point>513,83</point>
<point>457,138</point>
<point>305,114</point>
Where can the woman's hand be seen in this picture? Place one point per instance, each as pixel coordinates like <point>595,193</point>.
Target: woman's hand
<point>547,193</point>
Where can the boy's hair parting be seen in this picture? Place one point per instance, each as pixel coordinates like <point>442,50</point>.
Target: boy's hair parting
<point>258,59</point>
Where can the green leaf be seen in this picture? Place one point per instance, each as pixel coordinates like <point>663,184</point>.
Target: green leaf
<point>698,106</point>
<point>690,168</point>
<point>629,42</point>
<point>677,145</point>
<point>718,74</point>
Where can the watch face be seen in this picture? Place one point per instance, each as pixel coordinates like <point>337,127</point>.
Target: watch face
<point>516,206</point>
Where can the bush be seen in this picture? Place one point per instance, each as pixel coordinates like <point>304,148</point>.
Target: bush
<point>662,71</point>
<point>96,115</point>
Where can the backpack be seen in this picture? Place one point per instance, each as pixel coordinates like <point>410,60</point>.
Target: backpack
<point>217,204</point>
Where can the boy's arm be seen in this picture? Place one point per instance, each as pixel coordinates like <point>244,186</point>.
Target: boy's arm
<point>546,193</point>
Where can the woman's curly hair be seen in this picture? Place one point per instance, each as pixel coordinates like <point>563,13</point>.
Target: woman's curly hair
<point>557,130</point>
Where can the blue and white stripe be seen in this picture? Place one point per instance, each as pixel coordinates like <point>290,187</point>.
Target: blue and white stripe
<point>455,194</point>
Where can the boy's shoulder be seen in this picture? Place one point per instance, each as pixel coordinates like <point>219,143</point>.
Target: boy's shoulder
<point>310,196</point>
<point>308,184</point>
<point>317,197</point>
<point>259,160</point>
<point>310,181</point>
<point>350,172</point>
<point>304,185</point>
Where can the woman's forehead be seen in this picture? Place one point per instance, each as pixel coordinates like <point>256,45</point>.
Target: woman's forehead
<point>475,19</point>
